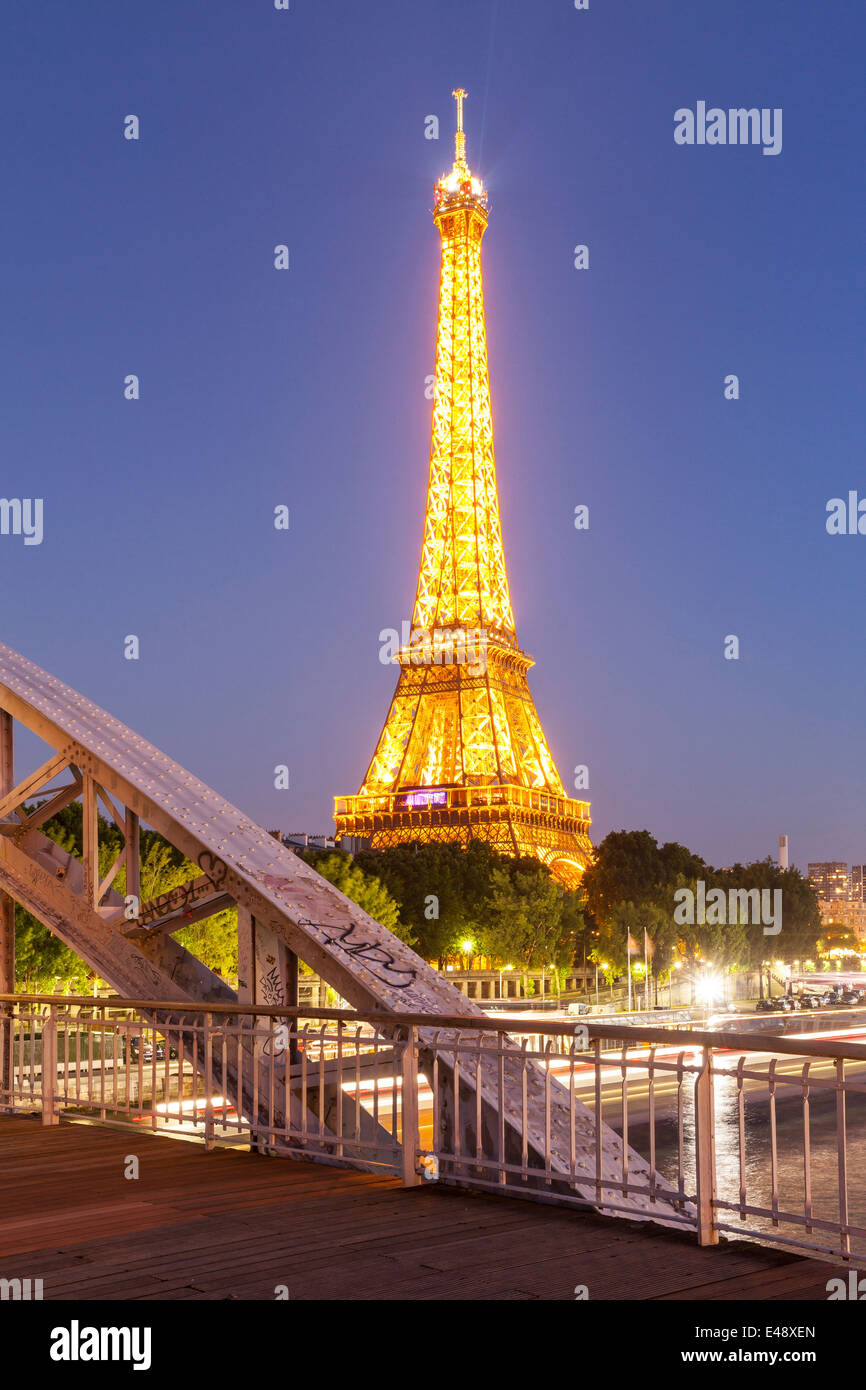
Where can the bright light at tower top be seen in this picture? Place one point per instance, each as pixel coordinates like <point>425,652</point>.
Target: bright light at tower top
<point>460,184</point>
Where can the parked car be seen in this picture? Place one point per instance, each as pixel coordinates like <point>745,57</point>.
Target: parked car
<point>850,996</point>
<point>779,1004</point>
<point>144,1049</point>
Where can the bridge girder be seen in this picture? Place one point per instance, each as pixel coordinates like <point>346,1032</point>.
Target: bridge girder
<point>370,968</point>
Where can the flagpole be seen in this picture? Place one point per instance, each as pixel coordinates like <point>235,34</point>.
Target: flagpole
<point>628,949</point>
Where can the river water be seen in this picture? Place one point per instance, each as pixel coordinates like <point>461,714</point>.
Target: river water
<point>824,1129</point>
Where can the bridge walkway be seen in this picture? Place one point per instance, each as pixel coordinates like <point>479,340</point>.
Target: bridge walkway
<point>234,1225</point>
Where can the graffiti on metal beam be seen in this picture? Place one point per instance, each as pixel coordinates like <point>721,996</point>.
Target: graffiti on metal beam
<point>377,959</point>
<point>213,867</point>
<point>176,900</point>
<point>271,989</point>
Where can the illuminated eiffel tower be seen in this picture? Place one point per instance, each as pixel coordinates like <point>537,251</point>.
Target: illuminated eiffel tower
<point>463,753</point>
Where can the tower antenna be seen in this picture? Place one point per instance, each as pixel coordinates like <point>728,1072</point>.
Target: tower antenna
<point>460,137</point>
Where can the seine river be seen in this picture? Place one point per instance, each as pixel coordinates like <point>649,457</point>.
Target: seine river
<point>790,1147</point>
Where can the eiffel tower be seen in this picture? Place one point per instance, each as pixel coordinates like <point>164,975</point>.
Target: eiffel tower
<point>462,753</point>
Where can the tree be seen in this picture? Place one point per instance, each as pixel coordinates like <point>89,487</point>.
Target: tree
<point>42,957</point>
<point>579,925</point>
<point>530,918</point>
<point>441,889</point>
<point>214,941</point>
<point>800,914</point>
<point>523,916</point>
<point>364,888</point>
<point>634,919</point>
<point>630,887</point>
<point>629,866</point>
<point>509,909</point>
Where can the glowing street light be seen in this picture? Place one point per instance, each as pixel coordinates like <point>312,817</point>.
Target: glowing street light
<point>707,988</point>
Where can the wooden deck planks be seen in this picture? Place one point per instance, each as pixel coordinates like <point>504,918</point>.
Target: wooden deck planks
<point>234,1225</point>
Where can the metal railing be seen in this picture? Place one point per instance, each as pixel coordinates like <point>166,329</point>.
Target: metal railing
<point>468,798</point>
<point>721,1133</point>
<point>225,1074</point>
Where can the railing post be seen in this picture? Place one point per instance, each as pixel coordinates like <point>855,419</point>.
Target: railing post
<point>409,1109</point>
<point>208,1080</point>
<point>842,1154</point>
<point>7,1040</point>
<point>705,1152</point>
<point>7,986</point>
<point>7,928</point>
<point>49,1068</point>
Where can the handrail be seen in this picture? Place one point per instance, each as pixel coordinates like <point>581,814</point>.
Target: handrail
<point>391,1093</point>
<point>799,1045</point>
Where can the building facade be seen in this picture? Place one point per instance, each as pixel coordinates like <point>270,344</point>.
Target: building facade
<point>844,912</point>
<point>832,881</point>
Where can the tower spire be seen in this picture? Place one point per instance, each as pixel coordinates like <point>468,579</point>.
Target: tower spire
<point>460,137</point>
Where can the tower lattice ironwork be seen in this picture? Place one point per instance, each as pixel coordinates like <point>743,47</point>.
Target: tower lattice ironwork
<point>462,753</point>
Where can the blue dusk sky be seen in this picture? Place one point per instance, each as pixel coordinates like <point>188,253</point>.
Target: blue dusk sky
<point>306,387</point>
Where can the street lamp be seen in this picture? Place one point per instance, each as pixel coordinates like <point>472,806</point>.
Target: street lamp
<point>639,970</point>
<point>501,968</point>
<point>604,966</point>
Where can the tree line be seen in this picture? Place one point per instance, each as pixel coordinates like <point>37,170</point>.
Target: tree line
<point>632,887</point>
<point>449,904</point>
<point>454,904</point>
<point>457,904</point>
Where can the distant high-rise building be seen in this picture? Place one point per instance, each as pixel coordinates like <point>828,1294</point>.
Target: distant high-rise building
<point>858,882</point>
<point>783,851</point>
<point>832,881</point>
